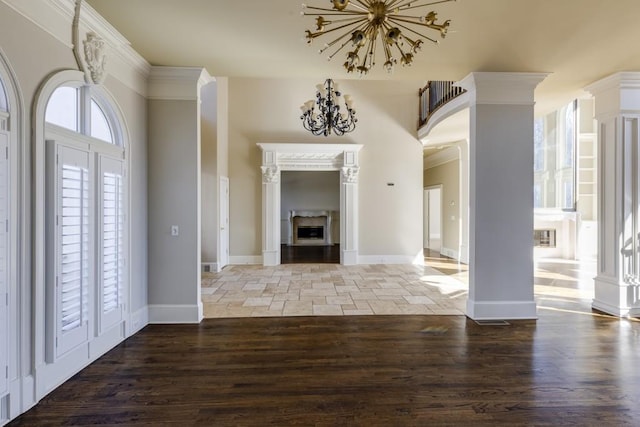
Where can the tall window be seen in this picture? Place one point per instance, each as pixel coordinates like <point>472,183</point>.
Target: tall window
<point>555,141</point>
<point>85,163</point>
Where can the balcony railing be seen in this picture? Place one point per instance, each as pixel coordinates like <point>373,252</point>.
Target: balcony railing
<point>433,96</point>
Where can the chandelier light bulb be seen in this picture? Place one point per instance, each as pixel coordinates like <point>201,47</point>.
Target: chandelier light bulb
<point>361,26</point>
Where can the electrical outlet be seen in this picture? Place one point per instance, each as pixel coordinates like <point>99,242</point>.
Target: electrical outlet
<point>175,231</point>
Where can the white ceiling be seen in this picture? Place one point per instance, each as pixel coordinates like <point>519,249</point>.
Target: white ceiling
<point>579,41</point>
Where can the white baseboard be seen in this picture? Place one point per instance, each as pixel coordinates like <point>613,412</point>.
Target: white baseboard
<point>139,319</point>
<point>245,260</point>
<point>501,310</point>
<point>451,253</point>
<point>387,259</point>
<point>169,313</point>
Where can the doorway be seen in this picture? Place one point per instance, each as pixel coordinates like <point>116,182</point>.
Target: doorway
<point>310,217</point>
<point>433,218</point>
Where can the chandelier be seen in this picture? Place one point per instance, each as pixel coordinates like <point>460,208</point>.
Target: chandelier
<point>330,111</point>
<point>365,24</point>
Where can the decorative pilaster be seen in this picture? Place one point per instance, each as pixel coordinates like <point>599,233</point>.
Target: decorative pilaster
<point>349,215</point>
<point>617,284</point>
<point>271,209</point>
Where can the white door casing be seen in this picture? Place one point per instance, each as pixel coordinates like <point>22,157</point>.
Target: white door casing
<point>223,249</point>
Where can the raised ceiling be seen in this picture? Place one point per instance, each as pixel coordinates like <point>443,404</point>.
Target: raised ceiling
<point>578,41</point>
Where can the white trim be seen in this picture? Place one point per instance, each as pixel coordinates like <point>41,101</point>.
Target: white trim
<point>55,17</point>
<point>614,310</point>
<point>245,260</point>
<point>441,157</point>
<point>501,88</point>
<point>451,253</point>
<point>177,83</point>
<point>174,313</point>
<point>501,310</point>
<point>391,259</point>
<point>138,320</point>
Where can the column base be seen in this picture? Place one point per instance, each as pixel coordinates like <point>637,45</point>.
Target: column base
<point>501,310</point>
<point>271,258</point>
<point>348,257</point>
<point>615,298</point>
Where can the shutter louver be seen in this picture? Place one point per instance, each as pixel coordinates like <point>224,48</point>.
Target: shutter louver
<point>74,274</point>
<point>112,241</point>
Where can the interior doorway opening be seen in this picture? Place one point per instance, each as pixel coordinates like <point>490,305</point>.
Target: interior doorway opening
<point>433,218</point>
<point>310,217</point>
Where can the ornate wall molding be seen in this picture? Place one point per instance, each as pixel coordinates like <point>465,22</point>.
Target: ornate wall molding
<point>350,175</point>
<point>270,174</point>
<point>92,55</point>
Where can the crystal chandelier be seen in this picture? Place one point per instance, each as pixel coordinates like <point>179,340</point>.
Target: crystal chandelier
<point>365,24</point>
<point>330,112</point>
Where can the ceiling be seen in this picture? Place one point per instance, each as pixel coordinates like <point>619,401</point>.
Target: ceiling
<point>578,41</point>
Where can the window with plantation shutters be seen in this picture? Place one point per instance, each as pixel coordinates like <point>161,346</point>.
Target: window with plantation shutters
<point>72,244</point>
<point>4,257</point>
<point>112,246</point>
<point>86,240</point>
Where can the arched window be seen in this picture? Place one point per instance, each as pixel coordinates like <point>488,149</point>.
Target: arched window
<point>85,221</point>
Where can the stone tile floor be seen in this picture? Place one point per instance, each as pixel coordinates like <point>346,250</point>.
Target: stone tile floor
<point>332,289</point>
<point>329,290</point>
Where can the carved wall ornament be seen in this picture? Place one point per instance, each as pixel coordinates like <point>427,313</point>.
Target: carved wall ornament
<point>92,56</point>
<point>95,58</point>
<point>270,174</point>
<point>350,175</point>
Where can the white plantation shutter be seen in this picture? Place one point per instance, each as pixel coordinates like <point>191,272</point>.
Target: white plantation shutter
<point>72,248</point>
<point>112,242</point>
<point>4,259</point>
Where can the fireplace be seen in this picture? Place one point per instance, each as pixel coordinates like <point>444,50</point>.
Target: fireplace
<point>310,227</point>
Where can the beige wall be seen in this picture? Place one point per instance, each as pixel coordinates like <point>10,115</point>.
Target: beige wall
<point>447,175</point>
<point>267,110</point>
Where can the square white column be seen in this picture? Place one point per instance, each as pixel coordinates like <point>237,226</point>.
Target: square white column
<point>501,195</point>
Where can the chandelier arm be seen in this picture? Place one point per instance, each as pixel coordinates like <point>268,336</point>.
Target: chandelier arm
<point>409,4</point>
<point>416,33</point>
<point>364,8</point>
<point>331,11</point>
<point>366,4</point>
<point>328,45</point>
<point>322,33</point>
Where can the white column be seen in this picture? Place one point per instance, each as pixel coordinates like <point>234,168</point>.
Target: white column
<point>270,209</point>
<point>501,195</point>
<point>617,284</point>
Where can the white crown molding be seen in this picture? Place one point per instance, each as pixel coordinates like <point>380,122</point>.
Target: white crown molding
<point>501,88</point>
<point>177,83</point>
<point>617,94</point>
<point>55,17</point>
<point>441,157</point>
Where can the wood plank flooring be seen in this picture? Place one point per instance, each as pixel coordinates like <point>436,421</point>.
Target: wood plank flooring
<point>310,254</point>
<point>567,368</point>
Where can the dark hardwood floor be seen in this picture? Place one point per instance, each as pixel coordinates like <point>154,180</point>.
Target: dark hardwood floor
<point>567,368</point>
<point>310,254</point>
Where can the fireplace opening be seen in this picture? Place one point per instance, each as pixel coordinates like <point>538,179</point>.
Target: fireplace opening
<point>310,232</point>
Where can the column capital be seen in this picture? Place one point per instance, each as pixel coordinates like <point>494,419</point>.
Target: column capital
<point>501,88</point>
<point>616,94</point>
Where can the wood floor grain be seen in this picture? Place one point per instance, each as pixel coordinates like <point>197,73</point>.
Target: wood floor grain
<point>564,369</point>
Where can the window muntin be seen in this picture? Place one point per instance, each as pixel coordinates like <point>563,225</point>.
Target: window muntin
<point>66,108</point>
